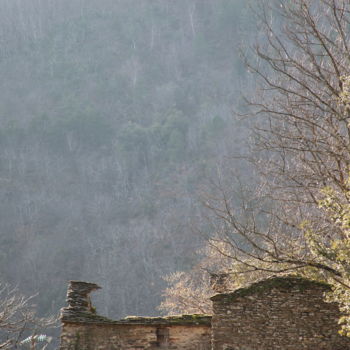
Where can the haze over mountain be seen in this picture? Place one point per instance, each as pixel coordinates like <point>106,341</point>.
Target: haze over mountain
<point>113,114</point>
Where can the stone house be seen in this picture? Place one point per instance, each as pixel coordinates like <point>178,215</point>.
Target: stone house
<point>278,313</point>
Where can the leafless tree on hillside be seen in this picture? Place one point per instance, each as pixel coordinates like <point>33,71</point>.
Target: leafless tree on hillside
<point>302,139</point>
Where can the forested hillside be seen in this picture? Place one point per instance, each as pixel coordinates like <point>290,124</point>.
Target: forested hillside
<point>113,113</point>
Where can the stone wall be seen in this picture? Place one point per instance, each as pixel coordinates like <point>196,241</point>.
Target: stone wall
<point>132,337</point>
<point>279,313</point>
<point>82,329</point>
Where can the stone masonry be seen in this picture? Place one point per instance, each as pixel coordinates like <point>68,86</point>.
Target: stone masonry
<point>279,313</point>
<point>82,329</point>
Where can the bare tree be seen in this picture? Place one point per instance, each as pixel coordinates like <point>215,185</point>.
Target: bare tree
<point>19,325</point>
<point>297,219</point>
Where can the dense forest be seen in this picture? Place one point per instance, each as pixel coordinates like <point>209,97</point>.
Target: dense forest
<point>113,116</point>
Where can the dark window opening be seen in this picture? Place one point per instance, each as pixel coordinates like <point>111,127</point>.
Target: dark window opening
<point>162,336</point>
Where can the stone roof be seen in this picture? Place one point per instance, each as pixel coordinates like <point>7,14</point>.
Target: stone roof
<point>279,282</point>
<point>193,319</point>
<point>88,318</point>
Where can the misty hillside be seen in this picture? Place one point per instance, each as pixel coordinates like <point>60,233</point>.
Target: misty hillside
<point>113,114</point>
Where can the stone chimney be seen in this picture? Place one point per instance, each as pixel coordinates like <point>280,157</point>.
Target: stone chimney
<point>78,299</point>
